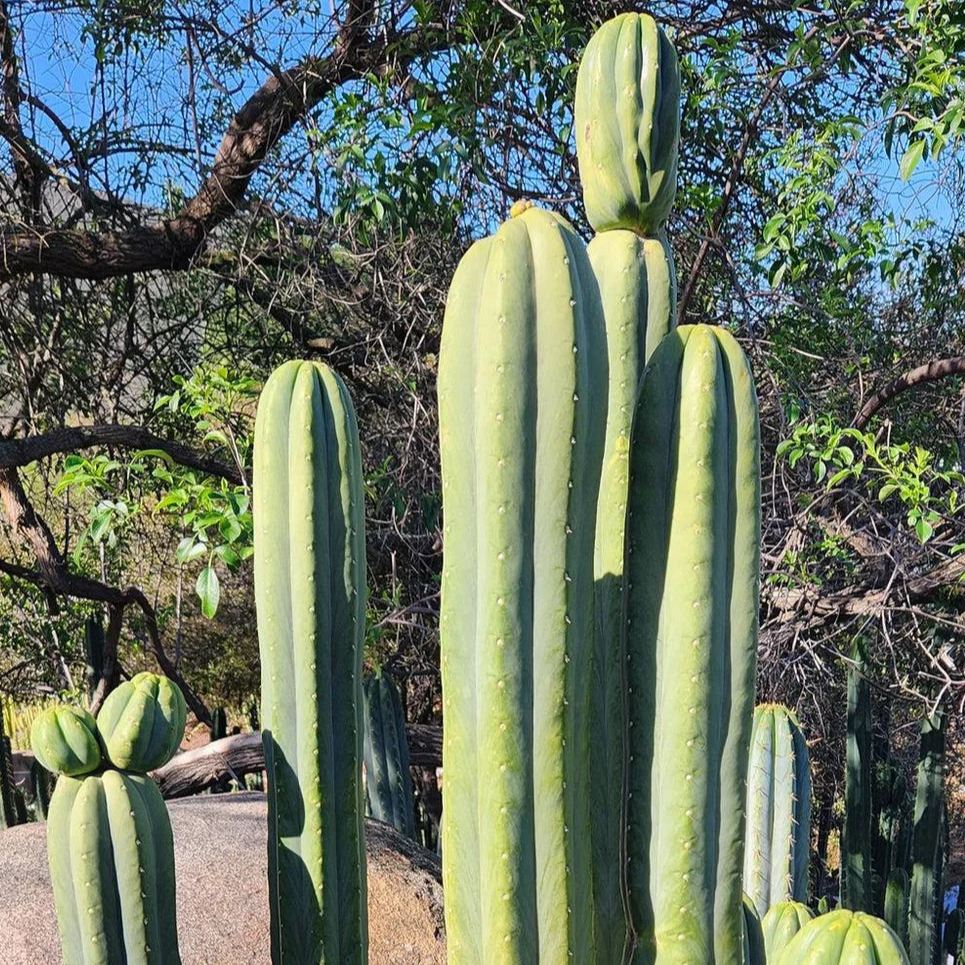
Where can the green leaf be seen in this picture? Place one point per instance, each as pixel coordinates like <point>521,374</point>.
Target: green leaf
<point>208,589</point>
<point>924,530</point>
<point>910,159</point>
<point>230,529</point>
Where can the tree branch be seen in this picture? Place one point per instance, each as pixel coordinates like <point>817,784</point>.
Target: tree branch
<point>270,113</point>
<point>921,375</point>
<point>21,452</point>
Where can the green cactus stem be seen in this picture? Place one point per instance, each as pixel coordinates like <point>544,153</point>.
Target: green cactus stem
<point>627,122</point>
<point>93,652</point>
<point>310,596</point>
<point>8,790</point>
<point>890,798</point>
<point>65,740</point>
<point>692,590</point>
<point>844,937</point>
<point>781,923</point>
<point>856,879</point>
<point>824,905</point>
<point>778,835</point>
<point>388,780</point>
<point>522,409</point>
<point>112,867</point>
<point>954,934</point>
<point>926,840</point>
<point>755,952</point>
<point>141,723</point>
<point>41,789</point>
<point>896,903</point>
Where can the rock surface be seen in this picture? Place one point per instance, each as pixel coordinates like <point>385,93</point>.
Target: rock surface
<point>221,860</point>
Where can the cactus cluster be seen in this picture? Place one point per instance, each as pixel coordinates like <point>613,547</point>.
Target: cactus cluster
<point>108,835</point>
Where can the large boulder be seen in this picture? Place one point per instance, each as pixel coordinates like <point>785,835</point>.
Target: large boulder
<point>221,859</point>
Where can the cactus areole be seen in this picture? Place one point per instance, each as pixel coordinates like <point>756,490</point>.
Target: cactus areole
<point>112,867</point>
<point>692,584</point>
<point>778,835</point>
<point>627,121</point>
<point>522,409</point>
<point>844,937</point>
<point>310,596</point>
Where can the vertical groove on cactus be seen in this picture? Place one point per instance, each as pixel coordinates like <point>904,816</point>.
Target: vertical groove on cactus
<point>310,593</point>
<point>754,948</point>
<point>692,587</point>
<point>781,923</point>
<point>896,903</point>
<point>388,780</point>
<point>778,835</point>
<point>926,841</point>
<point>522,378</point>
<point>856,881</point>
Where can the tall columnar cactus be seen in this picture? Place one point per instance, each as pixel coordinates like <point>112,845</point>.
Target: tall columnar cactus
<point>778,835</point>
<point>692,589</point>
<point>638,291</point>
<point>8,790</point>
<point>926,841</point>
<point>953,936</point>
<point>112,866</point>
<point>844,937</point>
<point>522,410</point>
<point>388,781</point>
<point>627,120</point>
<point>896,903</point>
<point>856,879</point>
<point>93,651</point>
<point>310,595</point>
<point>781,923</point>
<point>891,793</point>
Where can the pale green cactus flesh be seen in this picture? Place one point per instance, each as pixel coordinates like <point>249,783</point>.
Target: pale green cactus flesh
<point>141,723</point>
<point>522,382</point>
<point>310,594</point>
<point>638,293</point>
<point>844,937</point>
<point>692,590</point>
<point>781,923</point>
<point>64,740</point>
<point>778,835</point>
<point>388,781</point>
<point>627,122</point>
<point>112,867</point>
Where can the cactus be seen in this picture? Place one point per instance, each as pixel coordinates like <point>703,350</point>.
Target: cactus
<point>523,335</point>
<point>856,880</point>
<point>310,595</point>
<point>896,903</point>
<point>388,781</point>
<point>627,121</point>
<point>925,883</point>
<point>692,588</point>
<point>65,741</point>
<point>890,797</point>
<point>954,934</point>
<point>93,652</point>
<point>41,789</point>
<point>844,937</point>
<point>219,724</point>
<point>112,867</point>
<point>781,923</point>
<point>778,835</point>
<point>8,790</point>
<point>754,948</point>
<point>141,723</point>
<point>824,905</point>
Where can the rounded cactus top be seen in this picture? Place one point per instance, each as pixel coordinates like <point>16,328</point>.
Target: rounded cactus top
<point>781,923</point>
<point>142,722</point>
<point>64,740</point>
<point>627,121</point>
<point>844,936</point>
<point>519,207</point>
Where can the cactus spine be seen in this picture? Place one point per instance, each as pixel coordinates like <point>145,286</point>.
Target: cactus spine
<point>112,866</point>
<point>638,291</point>
<point>781,923</point>
<point>923,922</point>
<point>310,594</point>
<point>896,903</point>
<point>523,334</point>
<point>856,880</point>
<point>844,937</point>
<point>388,781</point>
<point>778,835</point>
<point>692,589</point>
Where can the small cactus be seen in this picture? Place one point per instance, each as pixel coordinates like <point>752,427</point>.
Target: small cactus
<point>781,923</point>
<point>65,740</point>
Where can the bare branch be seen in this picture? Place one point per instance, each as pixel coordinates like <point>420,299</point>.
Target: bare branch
<point>920,375</point>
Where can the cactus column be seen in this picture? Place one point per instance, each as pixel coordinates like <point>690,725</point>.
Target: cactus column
<point>692,590</point>
<point>856,881</point>
<point>628,84</point>
<point>778,835</point>
<point>310,594</point>
<point>522,410</point>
